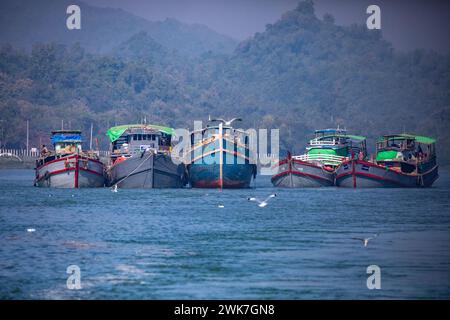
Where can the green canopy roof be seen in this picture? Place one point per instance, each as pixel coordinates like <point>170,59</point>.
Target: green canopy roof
<point>350,136</point>
<point>419,139</point>
<point>114,133</point>
<point>425,140</point>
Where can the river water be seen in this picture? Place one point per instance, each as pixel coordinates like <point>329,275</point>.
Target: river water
<point>179,244</point>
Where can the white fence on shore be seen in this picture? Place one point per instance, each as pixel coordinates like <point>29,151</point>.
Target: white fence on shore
<point>21,153</point>
<point>34,154</point>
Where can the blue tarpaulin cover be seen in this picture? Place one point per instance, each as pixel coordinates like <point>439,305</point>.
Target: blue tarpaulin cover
<point>66,138</point>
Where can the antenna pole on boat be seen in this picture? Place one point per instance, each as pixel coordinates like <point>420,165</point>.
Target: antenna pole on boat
<point>221,155</point>
<point>90,140</point>
<point>28,133</point>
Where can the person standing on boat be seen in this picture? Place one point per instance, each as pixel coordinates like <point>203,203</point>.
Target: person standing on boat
<point>44,150</point>
<point>361,155</point>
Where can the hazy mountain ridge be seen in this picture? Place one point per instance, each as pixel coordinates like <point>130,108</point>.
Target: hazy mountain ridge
<point>323,75</point>
<point>24,22</point>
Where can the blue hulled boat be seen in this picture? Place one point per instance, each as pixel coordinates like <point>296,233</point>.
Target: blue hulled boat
<point>219,157</point>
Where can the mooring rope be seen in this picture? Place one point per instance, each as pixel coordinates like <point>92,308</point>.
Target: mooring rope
<point>133,171</point>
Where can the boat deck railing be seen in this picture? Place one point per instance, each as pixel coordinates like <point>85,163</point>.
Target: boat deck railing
<point>319,142</point>
<point>327,159</point>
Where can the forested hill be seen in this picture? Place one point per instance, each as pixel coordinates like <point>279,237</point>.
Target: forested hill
<point>302,73</point>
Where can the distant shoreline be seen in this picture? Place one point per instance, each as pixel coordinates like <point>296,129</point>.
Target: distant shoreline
<point>12,164</point>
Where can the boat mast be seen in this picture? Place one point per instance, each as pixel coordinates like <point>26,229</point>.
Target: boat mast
<point>28,133</point>
<point>90,140</point>
<point>221,155</point>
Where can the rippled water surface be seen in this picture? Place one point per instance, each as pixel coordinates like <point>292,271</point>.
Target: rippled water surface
<point>178,244</point>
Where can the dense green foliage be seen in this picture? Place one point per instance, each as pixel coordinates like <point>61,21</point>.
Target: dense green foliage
<point>300,74</point>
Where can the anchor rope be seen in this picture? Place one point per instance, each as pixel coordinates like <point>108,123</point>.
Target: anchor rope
<point>133,171</point>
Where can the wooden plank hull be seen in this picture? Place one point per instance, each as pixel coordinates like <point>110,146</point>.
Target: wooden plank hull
<point>363,174</point>
<point>300,174</point>
<point>72,171</point>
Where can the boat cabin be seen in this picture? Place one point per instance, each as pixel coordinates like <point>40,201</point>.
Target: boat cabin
<point>329,137</point>
<point>212,133</point>
<point>66,141</point>
<point>134,139</point>
<point>332,146</point>
<point>207,142</point>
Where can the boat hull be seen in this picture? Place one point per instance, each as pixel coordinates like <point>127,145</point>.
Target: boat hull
<point>221,163</point>
<point>71,172</point>
<point>300,174</point>
<point>233,175</point>
<point>148,171</point>
<point>363,174</point>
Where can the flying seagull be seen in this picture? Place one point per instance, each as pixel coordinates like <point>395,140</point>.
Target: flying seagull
<point>225,122</point>
<point>264,203</point>
<point>365,241</point>
<point>114,189</point>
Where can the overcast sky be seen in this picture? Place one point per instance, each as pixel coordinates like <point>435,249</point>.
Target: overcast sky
<point>408,24</point>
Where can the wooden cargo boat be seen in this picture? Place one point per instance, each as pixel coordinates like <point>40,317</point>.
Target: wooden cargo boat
<point>68,166</point>
<point>219,157</point>
<point>140,158</point>
<point>401,160</point>
<point>316,168</point>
